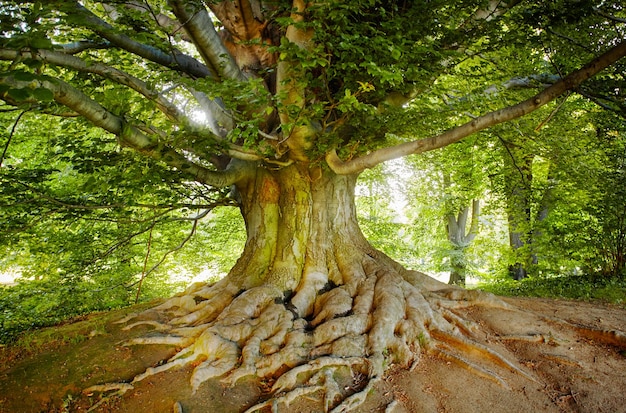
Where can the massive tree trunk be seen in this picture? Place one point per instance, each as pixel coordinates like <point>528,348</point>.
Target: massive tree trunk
<point>309,296</point>
<point>299,220</point>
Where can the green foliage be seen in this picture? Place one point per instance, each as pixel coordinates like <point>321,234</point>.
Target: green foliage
<point>608,213</point>
<point>580,287</point>
<point>47,302</point>
<point>84,229</point>
<point>379,212</point>
<point>51,292</point>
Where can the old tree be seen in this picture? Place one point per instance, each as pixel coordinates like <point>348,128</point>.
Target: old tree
<point>284,104</point>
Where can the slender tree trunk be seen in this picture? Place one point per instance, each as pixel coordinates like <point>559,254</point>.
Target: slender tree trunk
<point>458,271</point>
<point>460,238</point>
<point>544,207</point>
<point>518,190</point>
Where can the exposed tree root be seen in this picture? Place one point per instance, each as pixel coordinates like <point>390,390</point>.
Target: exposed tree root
<point>612,337</point>
<point>103,388</point>
<point>472,367</point>
<point>155,324</point>
<point>354,401</point>
<point>562,360</point>
<point>391,406</point>
<point>528,338</point>
<point>119,388</point>
<point>301,342</point>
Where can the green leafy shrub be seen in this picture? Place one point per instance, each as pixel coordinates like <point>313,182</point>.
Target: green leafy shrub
<point>579,287</point>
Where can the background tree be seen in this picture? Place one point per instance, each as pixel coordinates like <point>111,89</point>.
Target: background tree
<point>276,107</point>
<point>381,217</point>
<point>446,199</point>
<point>612,209</point>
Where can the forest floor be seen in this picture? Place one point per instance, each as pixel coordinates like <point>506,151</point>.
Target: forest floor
<point>49,370</point>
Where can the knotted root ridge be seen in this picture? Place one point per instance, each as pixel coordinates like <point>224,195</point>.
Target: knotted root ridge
<point>118,389</point>
<point>301,343</point>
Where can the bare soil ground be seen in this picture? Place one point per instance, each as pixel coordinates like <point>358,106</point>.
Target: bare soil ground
<point>574,370</point>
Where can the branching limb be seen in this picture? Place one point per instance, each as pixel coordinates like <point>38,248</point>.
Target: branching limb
<point>116,75</point>
<point>8,143</point>
<point>483,122</point>
<point>191,233</point>
<point>212,109</point>
<point>169,25</point>
<point>612,103</point>
<point>130,135</point>
<point>176,60</point>
<point>609,16</point>
<point>220,121</point>
<point>200,28</point>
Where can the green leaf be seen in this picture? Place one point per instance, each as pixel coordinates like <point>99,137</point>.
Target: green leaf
<point>43,94</point>
<point>23,76</point>
<point>19,94</point>
<point>41,43</point>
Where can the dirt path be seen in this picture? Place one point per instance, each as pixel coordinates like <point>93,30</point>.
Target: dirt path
<point>573,371</point>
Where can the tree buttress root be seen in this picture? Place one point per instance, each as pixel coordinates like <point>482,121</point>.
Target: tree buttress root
<point>298,343</point>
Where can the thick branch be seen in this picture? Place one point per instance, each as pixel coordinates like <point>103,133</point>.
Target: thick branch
<point>175,60</point>
<point>200,28</point>
<point>244,33</point>
<point>569,82</point>
<point>290,88</point>
<point>169,25</point>
<point>212,109</point>
<point>219,119</point>
<point>116,75</point>
<point>128,135</point>
<point>532,81</point>
<point>81,46</point>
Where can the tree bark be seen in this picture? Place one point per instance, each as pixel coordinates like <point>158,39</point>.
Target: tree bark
<point>298,220</point>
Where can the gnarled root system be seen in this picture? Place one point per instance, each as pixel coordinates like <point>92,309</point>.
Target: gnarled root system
<point>300,343</point>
